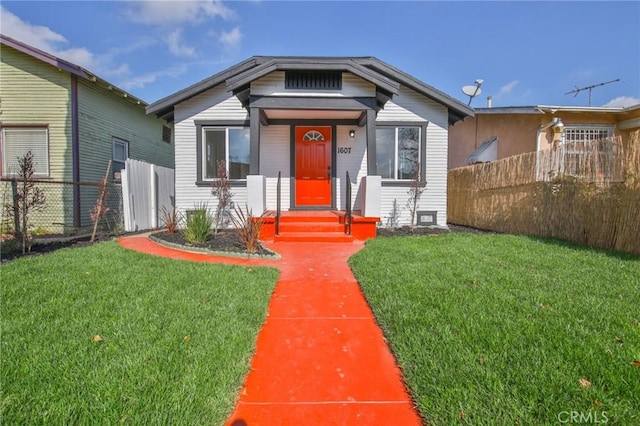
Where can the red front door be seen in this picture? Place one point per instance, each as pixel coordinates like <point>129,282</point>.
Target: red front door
<point>313,166</point>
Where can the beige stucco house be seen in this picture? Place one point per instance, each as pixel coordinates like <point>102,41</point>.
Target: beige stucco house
<point>508,131</point>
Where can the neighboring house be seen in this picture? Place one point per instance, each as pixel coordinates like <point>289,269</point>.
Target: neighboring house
<point>312,120</point>
<point>73,122</point>
<point>496,133</point>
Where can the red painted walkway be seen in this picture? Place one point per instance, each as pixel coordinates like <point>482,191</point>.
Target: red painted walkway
<point>320,357</point>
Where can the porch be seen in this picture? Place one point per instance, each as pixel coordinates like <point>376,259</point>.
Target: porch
<point>317,226</point>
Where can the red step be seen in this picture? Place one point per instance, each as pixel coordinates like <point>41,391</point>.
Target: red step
<point>314,237</point>
<point>289,226</point>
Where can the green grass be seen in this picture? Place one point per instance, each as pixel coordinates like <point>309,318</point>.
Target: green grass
<point>499,329</point>
<point>145,371</point>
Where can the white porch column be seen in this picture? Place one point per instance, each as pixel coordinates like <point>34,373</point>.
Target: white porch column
<point>256,194</point>
<point>371,188</point>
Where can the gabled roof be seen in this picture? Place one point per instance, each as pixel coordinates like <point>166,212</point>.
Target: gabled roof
<point>386,78</point>
<point>68,67</point>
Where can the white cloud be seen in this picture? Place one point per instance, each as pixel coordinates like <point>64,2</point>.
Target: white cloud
<point>143,80</point>
<point>44,38</point>
<point>231,38</point>
<point>177,47</point>
<point>507,88</point>
<point>120,71</point>
<point>622,102</point>
<point>164,13</point>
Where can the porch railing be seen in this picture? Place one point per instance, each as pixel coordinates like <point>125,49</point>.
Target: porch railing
<point>278,202</point>
<point>348,205</point>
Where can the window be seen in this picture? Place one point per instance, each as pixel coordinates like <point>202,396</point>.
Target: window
<point>226,144</point>
<point>589,152</point>
<point>120,155</point>
<point>16,142</point>
<point>398,152</point>
<point>586,133</point>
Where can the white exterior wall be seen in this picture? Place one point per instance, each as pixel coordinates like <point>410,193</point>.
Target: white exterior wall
<point>273,85</point>
<point>275,148</point>
<point>413,107</point>
<point>351,156</point>
<point>214,104</point>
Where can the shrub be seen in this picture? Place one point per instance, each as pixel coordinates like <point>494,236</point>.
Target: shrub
<point>7,243</point>
<point>198,224</point>
<point>170,219</point>
<point>247,227</point>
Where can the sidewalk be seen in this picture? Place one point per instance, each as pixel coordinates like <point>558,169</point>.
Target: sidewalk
<point>320,357</point>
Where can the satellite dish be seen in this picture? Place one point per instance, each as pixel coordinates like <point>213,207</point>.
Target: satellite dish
<point>473,90</point>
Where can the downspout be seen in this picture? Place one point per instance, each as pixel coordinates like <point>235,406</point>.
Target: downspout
<point>556,123</point>
<point>75,151</point>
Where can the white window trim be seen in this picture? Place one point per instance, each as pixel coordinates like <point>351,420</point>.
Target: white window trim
<point>226,149</point>
<point>396,129</point>
<point>117,141</point>
<point>610,128</point>
<point>5,168</point>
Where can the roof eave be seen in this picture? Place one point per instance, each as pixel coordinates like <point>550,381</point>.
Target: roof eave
<point>347,65</point>
<point>457,110</point>
<point>164,105</point>
<point>43,56</point>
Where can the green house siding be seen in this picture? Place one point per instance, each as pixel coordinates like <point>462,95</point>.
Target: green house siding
<point>103,116</point>
<point>34,93</point>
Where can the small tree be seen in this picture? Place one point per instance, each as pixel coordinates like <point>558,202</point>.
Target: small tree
<point>221,188</point>
<point>100,208</point>
<point>28,199</point>
<point>415,191</point>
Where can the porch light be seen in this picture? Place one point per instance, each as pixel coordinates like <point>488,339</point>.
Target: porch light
<point>352,134</point>
<point>558,127</point>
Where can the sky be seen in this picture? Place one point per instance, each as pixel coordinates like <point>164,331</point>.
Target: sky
<point>526,53</point>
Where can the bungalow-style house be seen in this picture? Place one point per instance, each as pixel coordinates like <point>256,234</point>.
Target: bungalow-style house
<point>73,122</point>
<point>311,121</point>
<point>496,133</point>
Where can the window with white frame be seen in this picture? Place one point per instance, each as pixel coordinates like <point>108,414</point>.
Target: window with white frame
<point>229,144</point>
<point>586,133</point>
<point>589,151</point>
<point>120,155</point>
<point>17,141</point>
<point>398,152</point>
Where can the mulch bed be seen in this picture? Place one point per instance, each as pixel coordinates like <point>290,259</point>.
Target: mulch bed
<point>406,231</point>
<point>38,249</point>
<point>224,241</point>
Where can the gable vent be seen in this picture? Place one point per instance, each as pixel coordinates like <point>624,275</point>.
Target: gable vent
<point>166,134</point>
<point>315,80</point>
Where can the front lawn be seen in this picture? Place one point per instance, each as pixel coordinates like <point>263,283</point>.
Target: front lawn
<point>103,335</point>
<point>499,329</point>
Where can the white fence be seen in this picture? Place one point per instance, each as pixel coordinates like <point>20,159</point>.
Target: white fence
<point>146,190</point>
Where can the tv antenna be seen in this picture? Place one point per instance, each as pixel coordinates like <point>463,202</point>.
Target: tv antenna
<point>580,89</point>
<point>473,90</point>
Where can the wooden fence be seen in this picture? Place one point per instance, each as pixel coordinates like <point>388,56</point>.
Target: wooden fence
<point>598,207</point>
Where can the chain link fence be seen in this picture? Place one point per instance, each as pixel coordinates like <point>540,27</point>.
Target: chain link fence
<point>67,208</point>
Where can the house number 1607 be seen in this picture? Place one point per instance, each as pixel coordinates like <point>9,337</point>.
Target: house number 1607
<point>344,150</point>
